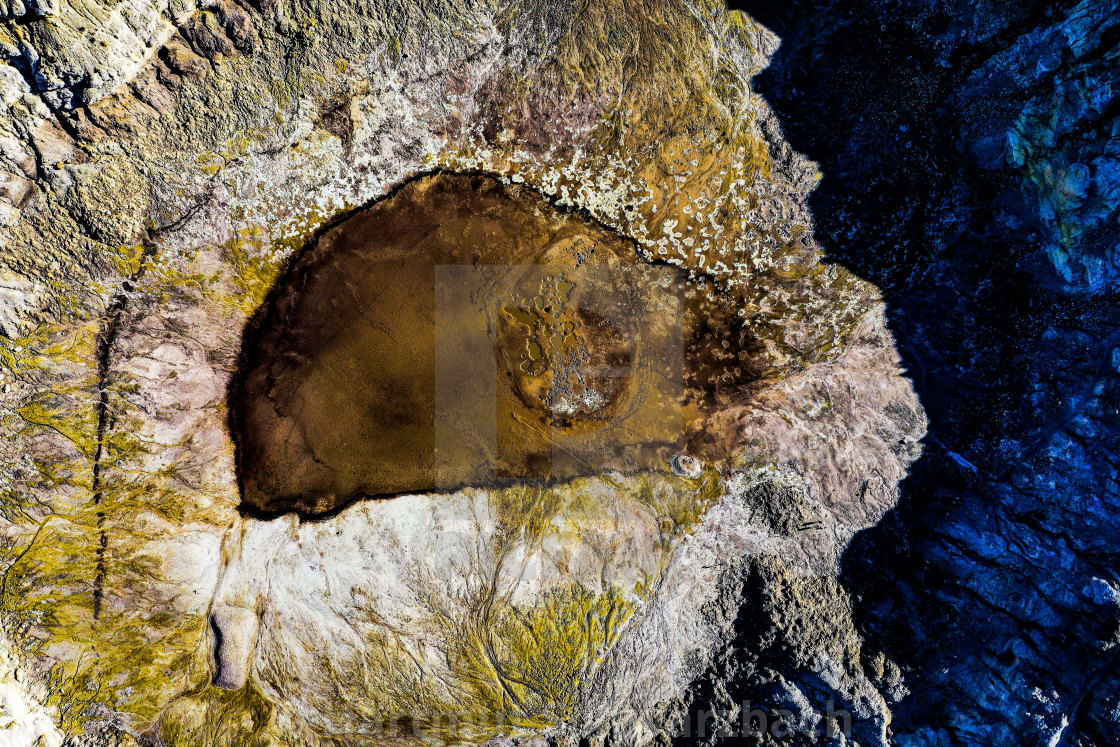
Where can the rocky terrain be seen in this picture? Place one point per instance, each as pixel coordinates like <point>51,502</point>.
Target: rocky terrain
<point>970,159</point>
<point>167,165</point>
<point>164,167</point>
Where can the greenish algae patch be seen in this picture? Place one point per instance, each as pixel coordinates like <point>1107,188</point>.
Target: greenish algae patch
<point>89,556</point>
<point>523,666</point>
<point>253,272</point>
<point>258,254</point>
<point>551,648</point>
<point>206,715</point>
<point>56,411</point>
<point>131,661</point>
<point>519,668</point>
<point>127,260</point>
<point>681,500</point>
<point>50,345</point>
<point>525,510</point>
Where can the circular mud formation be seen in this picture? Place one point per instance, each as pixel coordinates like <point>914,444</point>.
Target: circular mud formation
<point>463,331</point>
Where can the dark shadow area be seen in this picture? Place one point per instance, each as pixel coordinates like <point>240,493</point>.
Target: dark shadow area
<point>973,584</point>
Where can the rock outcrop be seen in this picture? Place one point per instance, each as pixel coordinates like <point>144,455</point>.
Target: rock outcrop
<point>969,152</point>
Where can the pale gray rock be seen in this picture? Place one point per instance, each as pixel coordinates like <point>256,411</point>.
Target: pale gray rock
<point>234,631</point>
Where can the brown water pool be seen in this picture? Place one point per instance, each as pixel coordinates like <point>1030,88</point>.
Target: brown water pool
<point>463,332</point>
